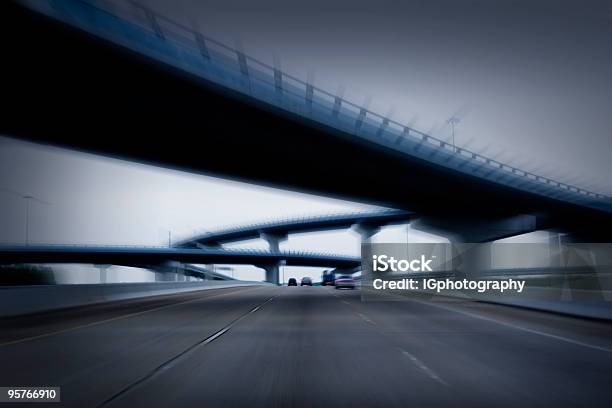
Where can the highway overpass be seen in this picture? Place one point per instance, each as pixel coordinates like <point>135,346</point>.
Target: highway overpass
<point>134,256</point>
<point>274,231</point>
<point>161,94</point>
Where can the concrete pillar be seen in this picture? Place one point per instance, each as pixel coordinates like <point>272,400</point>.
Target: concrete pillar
<point>455,260</point>
<point>474,260</point>
<point>272,273</point>
<point>103,273</point>
<point>273,240</point>
<point>366,232</point>
<point>165,276</point>
<point>554,250</point>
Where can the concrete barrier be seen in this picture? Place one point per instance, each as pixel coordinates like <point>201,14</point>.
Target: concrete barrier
<point>17,300</point>
<point>586,295</point>
<point>579,303</point>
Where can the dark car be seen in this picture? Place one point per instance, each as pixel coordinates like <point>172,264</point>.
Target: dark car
<point>306,281</point>
<point>328,278</point>
<point>292,282</point>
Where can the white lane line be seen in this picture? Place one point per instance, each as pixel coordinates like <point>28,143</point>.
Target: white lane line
<point>364,317</point>
<point>517,327</point>
<point>430,373</point>
<point>112,319</point>
<point>181,356</point>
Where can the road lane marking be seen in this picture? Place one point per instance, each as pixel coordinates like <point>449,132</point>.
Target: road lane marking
<point>364,317</point>
<point>112,319</point>
<point>168,364</point>
<point>430,373</point>
<point>517,327</point>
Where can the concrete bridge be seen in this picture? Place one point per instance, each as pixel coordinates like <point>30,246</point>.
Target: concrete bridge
<point>291,134</point>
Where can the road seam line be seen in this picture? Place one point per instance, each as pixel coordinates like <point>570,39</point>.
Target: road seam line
<point>177,358</point>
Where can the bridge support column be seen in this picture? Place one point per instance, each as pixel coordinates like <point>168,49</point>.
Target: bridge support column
<point>273,240</point>
<point>103,273</point>
<point>554,250</point>
<point>472,261</point>
<point>366,231</point>
<point>272,273</point>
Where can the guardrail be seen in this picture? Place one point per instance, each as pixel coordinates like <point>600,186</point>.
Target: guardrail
<point>139,27</point>
<point>279,223</point>
<point>127,249</point>
<point>18,300</point>
<point>575,291</point>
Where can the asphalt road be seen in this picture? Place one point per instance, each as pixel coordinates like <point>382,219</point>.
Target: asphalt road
<point>308,346</point>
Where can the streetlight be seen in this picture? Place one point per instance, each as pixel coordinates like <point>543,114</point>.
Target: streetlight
<point>452,121</point>
<point>28,199</point>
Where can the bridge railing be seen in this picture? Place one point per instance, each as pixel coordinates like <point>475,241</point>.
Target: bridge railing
<point>138,27</point>
<point>58,248</point>
<point>287,221</point>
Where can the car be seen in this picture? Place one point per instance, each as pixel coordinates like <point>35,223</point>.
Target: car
<point>292,282</point>
<point>306,281</point>
<point>345,281</point>
<point>327,278</point>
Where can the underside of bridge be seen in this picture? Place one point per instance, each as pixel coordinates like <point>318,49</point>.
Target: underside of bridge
<point>117,103</point>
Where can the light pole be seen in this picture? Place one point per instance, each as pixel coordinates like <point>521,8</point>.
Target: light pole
<point>28,199</point>
<point>407,241</point>
<point>452,121</point>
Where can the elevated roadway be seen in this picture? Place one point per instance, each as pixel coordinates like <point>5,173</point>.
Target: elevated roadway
<point>283,227</point>
<point>143,256</point>
<point>127,104</point>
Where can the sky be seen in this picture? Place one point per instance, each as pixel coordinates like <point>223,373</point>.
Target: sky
<point>529,79</point>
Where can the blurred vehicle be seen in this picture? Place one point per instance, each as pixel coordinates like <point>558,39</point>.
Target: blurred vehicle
<point>345,281</point>
<point>328,278</point>
<point>306,281</point>
<point>292,282</point>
